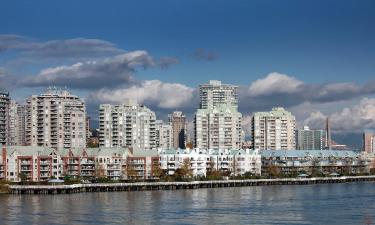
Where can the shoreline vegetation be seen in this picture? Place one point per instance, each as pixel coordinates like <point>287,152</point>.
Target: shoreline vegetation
<point>12,188</point>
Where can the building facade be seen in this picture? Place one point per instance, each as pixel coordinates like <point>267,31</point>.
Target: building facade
<point>178,122</point>
<point>274,130</point>
<point>307,139</point>
<point>56,119</point>
<point>313,162</point>
<point>29,163</point>
<point>368,142</point>
<point>127,125</point>
<point>163,135</point>
<point>4,114</point>
<point>232,162</point>
<point>218,128</point>
<point>215,93</point>
<point>17,124</point>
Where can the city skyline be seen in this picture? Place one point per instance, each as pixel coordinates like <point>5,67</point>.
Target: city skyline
<point>278,54</point>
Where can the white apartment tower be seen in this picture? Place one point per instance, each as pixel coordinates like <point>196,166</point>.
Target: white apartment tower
<point>217,121</point>
<point>215,93</point>
<point>218,128</point>
<point>274,130</point>
<point>56,119</point>
<point>127,125</point>
<point>163,135</point>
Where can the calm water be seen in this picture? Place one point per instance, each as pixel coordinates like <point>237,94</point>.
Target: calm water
<point>352,203</point>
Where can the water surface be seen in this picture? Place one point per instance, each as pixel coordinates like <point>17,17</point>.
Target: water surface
<point>351,203</point>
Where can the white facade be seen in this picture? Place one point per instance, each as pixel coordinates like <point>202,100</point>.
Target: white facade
<point>56,119</point>
<point>234,162</point>
<point>215,94</point>
<point>274,130</point>
<point>127,125</point>
<point>218,128</point>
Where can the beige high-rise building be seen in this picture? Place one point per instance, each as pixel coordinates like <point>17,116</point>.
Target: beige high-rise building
<point>56,119</point>
<point>178,122</point>
<point>215,94</point>
<point>368,142</point>
<point>274,130</point>
<point>127,125</point>
<point>218,128</point>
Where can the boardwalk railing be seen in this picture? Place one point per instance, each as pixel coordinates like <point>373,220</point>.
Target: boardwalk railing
<point>139,186</point>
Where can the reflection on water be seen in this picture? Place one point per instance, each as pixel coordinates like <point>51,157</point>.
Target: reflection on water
<point>313,204</point>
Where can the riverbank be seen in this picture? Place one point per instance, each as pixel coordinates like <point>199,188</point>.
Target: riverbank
<point>142,186</point>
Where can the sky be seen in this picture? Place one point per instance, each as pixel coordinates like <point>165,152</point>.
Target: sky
<point>315,58</point>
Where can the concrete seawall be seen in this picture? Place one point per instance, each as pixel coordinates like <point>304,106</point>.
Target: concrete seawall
<point>141,186</point>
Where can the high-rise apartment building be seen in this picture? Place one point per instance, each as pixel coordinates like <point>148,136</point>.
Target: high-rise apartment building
<point>178,122</point>
<point>127,125</point>
<point>4,114</point>
<point>218,128</point>
<point>368,142</point>
<point>215,94</point>
<point>163,135</point>
<point>17,124</point>
<point>56,119</point>
<point>217,121</point>
<point>274,130</point>
<point>307,139</point>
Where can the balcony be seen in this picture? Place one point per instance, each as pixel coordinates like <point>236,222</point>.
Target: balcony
<point>87,173</point>
<point>73,168</point>
<point>87,167</point>
<point>45,168</point>
<point>25,168</point>
<point>88,162</point>
<point>45,175</point>
<point>25,162</point>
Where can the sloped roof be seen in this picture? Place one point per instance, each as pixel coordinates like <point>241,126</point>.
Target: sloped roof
<point>306,153</point>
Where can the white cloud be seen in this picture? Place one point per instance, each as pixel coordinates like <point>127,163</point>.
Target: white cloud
<point>274,83</point>
<point>354,119</point>
<point>150,92</point>
<point>113,71</point>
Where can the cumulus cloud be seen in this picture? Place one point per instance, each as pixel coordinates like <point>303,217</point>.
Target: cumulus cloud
<point>69,48</point>
<point>201,54</point>
<point>355,119</point>
<point>282,90</point>
<point>153,93</point>
<point>274,83</point>
<point>108,72</point>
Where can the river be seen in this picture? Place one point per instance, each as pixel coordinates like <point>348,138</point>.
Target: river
<point>349,203</point>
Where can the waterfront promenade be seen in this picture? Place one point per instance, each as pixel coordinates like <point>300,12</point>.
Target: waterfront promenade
<point>141,186</point>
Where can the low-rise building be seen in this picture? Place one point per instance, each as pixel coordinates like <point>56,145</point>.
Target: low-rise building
<point>310,162</point>
<point>230,162</point>
<point>33,163</point>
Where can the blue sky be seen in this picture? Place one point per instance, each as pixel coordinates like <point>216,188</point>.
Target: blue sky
<point>316,41</point>
<point>318,45</point>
